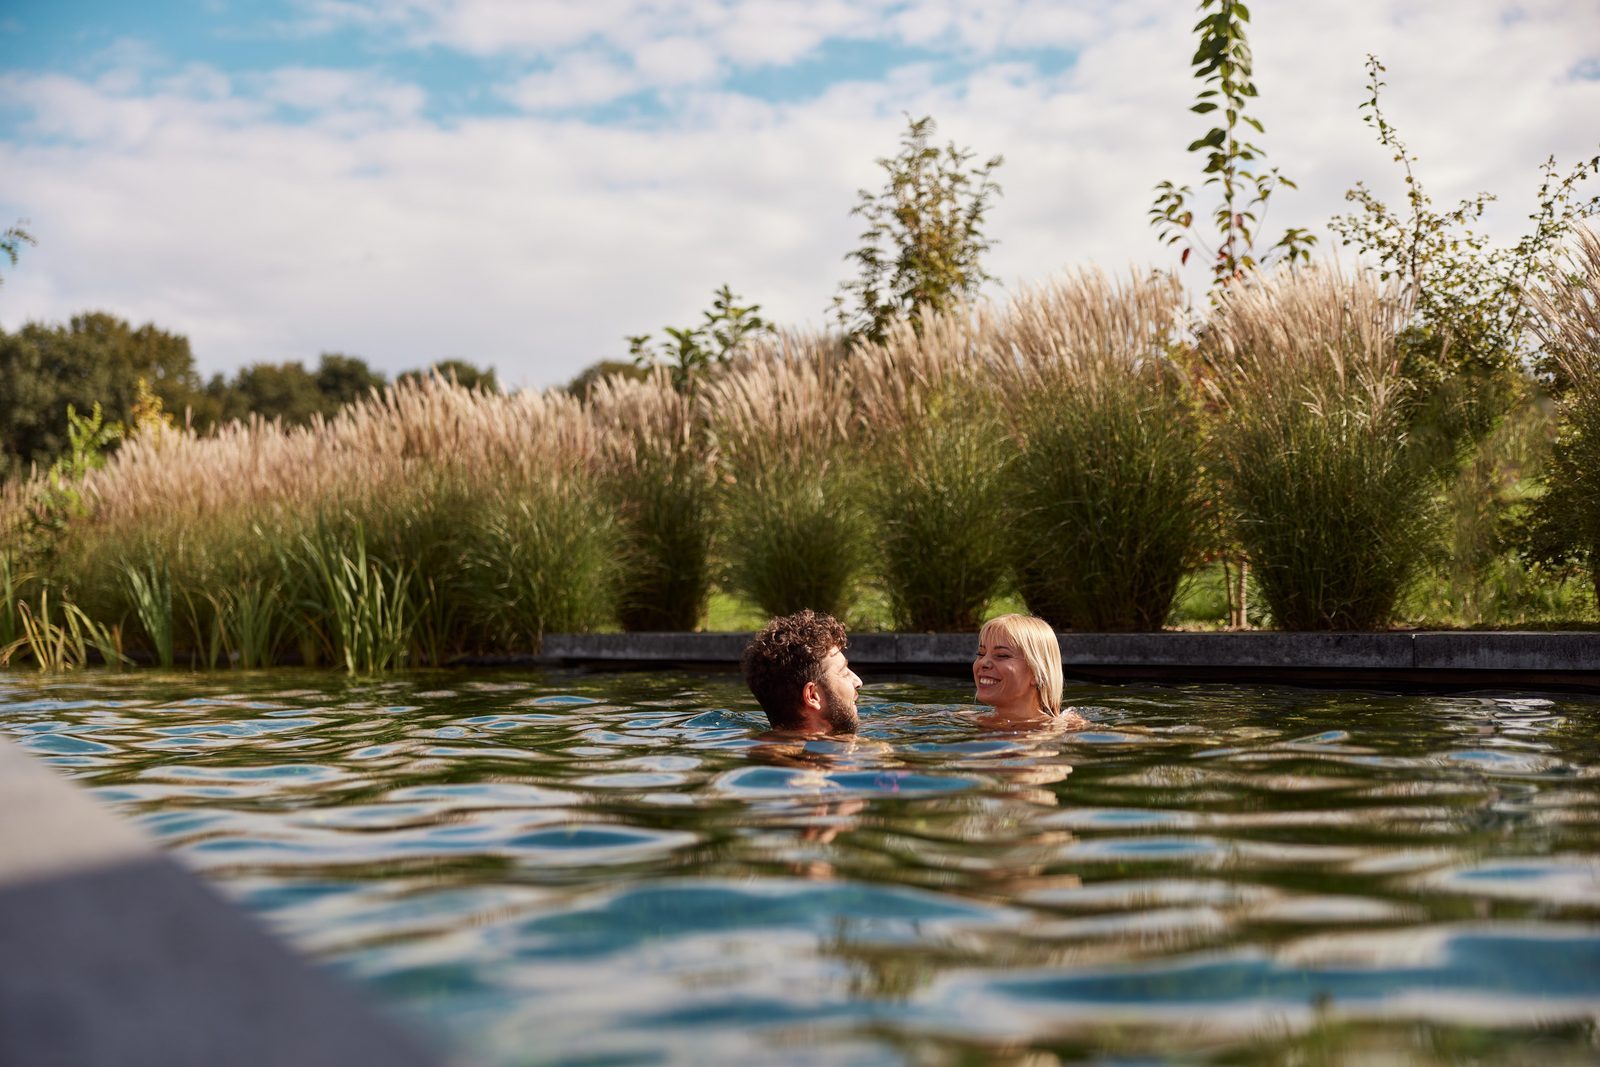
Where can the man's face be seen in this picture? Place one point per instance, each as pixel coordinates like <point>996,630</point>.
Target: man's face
<point>838,689</point>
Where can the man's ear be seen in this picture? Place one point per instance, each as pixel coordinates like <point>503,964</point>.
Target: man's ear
<point>811,696</point>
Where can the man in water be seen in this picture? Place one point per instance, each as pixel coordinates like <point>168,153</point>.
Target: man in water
<point>796,668</point>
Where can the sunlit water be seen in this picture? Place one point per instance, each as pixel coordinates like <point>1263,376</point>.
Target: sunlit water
<point>618,869</point>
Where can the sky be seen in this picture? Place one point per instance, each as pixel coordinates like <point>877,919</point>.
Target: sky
<point>525,183</point>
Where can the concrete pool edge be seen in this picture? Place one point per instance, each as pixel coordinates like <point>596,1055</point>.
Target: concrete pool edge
<point>1453,659</point>
<point>114,953</point>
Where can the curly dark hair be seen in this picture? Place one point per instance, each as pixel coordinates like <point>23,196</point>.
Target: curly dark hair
<point>784,656</point>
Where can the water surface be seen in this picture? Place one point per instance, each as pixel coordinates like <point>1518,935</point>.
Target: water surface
<point>617,868</point>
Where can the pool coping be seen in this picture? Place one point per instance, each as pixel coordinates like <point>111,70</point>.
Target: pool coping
<point>113,953</point>
<point>1423,658</point>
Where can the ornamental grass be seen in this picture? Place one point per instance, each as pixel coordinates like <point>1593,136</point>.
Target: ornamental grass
<point>1334,504</point>
<point>418,524</point>
<point>1567,321</point>
<point>1105,491</point>
<point>929,421</point>
<point>658,472</point>
<point>794,530</point>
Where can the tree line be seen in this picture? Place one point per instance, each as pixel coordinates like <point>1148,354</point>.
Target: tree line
<point>101,359</point>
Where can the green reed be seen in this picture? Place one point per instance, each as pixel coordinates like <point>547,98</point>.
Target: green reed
<point>248,624</point>
<point>148,587</point>
<point>359,605</point>
<point>61,645</point>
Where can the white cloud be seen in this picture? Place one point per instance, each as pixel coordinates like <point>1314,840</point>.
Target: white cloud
<point>536,242</point>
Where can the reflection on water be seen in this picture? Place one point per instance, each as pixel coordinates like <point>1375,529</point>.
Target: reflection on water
<point>622,868</point>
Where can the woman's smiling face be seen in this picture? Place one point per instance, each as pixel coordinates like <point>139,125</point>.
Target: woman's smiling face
<point>1002,676</point>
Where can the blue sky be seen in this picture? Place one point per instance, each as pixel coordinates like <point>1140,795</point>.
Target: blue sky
<point>525,184</point>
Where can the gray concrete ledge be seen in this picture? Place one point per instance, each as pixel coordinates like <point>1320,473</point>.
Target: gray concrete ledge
<point>111,954</point>
<point>1430,659</point>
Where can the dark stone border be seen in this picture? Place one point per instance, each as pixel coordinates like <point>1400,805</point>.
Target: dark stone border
<point>1444,659</point>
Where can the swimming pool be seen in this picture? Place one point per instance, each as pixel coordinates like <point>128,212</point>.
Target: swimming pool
<point>616,868</point>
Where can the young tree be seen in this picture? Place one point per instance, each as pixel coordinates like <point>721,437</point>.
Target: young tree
<point>12,240</point>
<point>1224,65</point>
<point>690,351</point>
<point>1469,329</point>
<point>924,242</point>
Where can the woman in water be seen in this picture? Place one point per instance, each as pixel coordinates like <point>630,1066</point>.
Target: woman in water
<point>1017,671</point>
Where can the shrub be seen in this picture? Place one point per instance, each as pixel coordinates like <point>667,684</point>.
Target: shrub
<point>1105,490</point>
<point>1334,504</point>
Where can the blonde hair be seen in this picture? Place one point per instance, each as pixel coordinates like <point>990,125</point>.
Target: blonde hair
<point>1040,649</point>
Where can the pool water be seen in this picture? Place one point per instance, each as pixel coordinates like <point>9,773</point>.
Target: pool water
<point>617,868</point>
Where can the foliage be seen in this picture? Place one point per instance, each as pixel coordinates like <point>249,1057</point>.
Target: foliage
<point>291,393</point>
<point>14,581</point>
<point>12,240</point>
<point>1106,489</point>
<point>585,381</point>
<point>923,246</point>
<point>149,587</point>
<point>64,645</point>
<point>690,352</point>
<point>464,374</point>
<point>96,359</point>
<point>1467,333</point>
<point>1223,64</point>
<point>1566,520</point>
<point>361,604</point>
<point>1332,500</point>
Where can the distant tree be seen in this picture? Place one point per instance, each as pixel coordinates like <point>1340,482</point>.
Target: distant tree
<point>290,392</point>
<point>284,391</point>
<point>96,358</point>
<point>343,379</point>
<point>463,373</point>
<point>924,243</point>
<point>605,368</point>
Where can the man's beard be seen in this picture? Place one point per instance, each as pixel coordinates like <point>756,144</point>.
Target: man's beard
<point>840,715</point>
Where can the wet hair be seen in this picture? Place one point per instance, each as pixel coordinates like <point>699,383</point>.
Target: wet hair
<point>784,656</point>
<point>1040,648</point>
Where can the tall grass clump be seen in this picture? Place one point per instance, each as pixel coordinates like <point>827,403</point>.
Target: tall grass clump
<point>382,536</point>
<point>1334,502</point>
<point>937,469</point>
<point>1566,522</point>
<point>658,472</point>
<point>794,530</point>
<point>1105,492</point>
